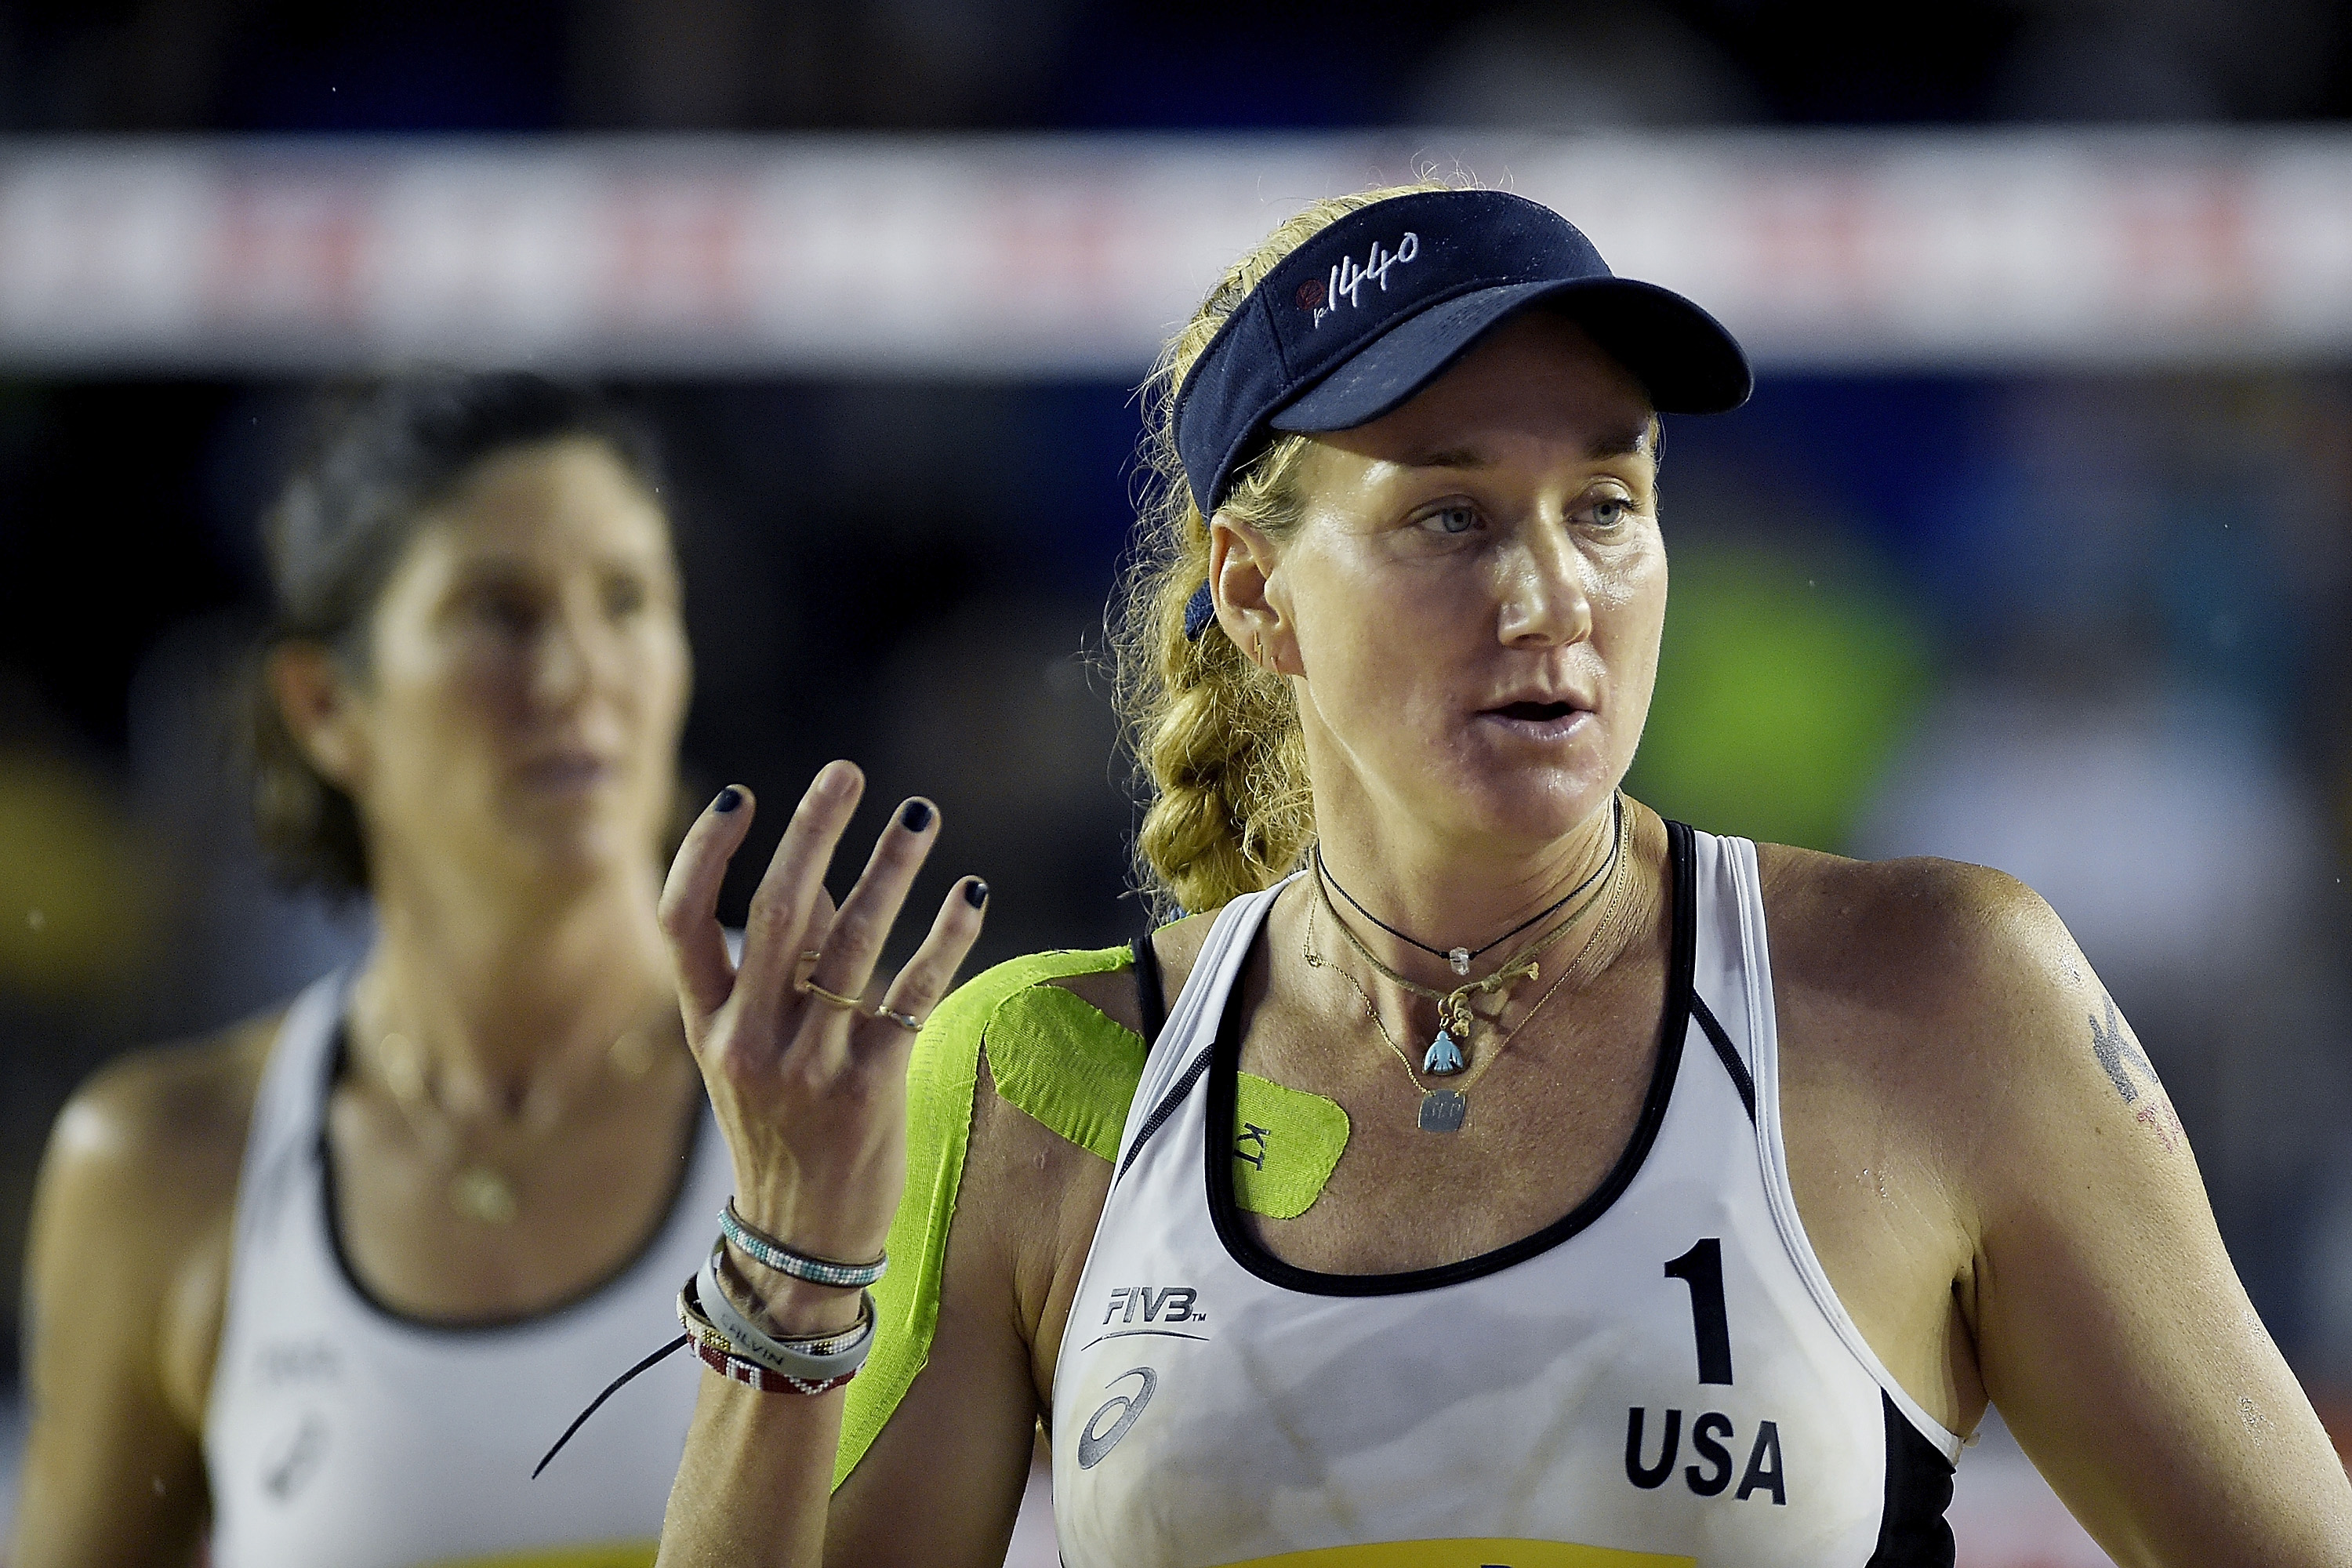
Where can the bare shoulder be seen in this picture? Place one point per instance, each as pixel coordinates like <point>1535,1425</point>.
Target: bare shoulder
<point>171,1120</point>
<point>1114,994</point>
<point>137,1194</point>
<point>1944,983</point>
<point>148,1151</point>
<point>1931,931</point>
<point>1939,941</point>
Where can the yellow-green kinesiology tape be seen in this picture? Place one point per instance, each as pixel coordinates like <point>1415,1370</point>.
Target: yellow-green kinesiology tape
<point>1285,1142</point>
<point>1059,1059</point>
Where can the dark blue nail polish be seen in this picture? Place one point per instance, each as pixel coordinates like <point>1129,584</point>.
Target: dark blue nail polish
<point>975,892</point>
<point>729,799</point>
<point>917,817</point>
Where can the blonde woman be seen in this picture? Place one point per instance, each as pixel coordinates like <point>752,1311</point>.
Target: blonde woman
<point>1516,1177</point>
<point>320,1290</point>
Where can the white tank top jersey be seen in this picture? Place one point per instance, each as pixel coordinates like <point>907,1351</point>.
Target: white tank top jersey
<point>339,1434</point>
<point>1663,1377</point>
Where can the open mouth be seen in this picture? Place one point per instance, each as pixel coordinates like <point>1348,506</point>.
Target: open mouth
<point>1534,712</point>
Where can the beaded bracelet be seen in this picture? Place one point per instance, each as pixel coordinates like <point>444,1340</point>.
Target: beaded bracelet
<point>759,1378</point>
<point>763,1249</point>
<point>716,1350</point>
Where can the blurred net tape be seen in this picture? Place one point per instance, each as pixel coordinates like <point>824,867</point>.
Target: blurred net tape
<point>1071,257</point>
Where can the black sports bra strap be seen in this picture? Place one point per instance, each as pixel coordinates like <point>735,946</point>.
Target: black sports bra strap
<point>1148,991</point>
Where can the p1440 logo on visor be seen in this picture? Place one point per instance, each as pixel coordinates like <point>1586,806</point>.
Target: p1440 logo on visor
<point>1348,278</point>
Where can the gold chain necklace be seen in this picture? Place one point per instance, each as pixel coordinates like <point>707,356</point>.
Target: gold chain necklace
<point>480,1190</point>
<point>1456,1017</point>
<point>1447,1109</point>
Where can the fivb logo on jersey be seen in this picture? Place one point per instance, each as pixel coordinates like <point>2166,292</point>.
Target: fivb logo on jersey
<point>1168,1304</point>
<point>1322,296</point>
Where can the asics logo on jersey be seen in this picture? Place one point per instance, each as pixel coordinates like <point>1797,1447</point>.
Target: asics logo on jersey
<point>1092,1444</point>
<point>1171,1304</point>
<point>295,1460</point>
<point>1348,278</point>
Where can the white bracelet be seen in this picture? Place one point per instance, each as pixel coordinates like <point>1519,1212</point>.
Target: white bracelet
<point>815,1358</point>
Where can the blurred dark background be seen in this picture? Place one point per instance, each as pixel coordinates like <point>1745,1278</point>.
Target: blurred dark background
<point>2091,628</point>
<point>1084,65</point>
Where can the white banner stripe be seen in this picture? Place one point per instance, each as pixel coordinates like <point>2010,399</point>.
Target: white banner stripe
<point>1074,257</point>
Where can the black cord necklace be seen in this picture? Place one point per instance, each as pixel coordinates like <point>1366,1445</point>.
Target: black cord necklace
<point>1460,958</point>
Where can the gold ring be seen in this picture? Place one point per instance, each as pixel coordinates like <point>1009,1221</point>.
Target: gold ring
<point>854,1004</point>
<point>812,956</point>
<point>906,1021</point>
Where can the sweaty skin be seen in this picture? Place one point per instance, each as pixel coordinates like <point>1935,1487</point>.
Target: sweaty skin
<point>1469,615</point>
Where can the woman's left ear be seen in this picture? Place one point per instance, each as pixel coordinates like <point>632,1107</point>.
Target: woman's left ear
<point>1243,564</point>
<point>313,698</point>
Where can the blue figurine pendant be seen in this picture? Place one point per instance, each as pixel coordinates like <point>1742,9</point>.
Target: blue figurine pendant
<point>1444,1057</point>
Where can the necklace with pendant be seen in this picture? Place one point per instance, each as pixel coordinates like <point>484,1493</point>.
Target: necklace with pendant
<point>1447,1109</point>
<point>480,1190</point>
<point>1457,1018</point>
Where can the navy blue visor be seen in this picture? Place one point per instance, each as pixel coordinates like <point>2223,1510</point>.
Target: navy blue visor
<point>1372,309</point>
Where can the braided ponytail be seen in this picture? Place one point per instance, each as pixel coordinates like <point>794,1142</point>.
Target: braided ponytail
<point>1217,737</point>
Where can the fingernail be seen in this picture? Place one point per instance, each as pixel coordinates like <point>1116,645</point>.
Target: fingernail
<point>975,892</point>
<point>917,817</point>
<point>834,779</point>
<point>729,799</point>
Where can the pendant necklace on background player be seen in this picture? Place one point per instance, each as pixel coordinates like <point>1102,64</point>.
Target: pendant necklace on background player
<point>480,1190</point>
<point>1445,1109</point>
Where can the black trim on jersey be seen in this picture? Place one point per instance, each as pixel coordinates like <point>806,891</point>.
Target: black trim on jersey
<point>1912,1531</point>
<point>1151,991</point>
<point>1243,1246</point>
<point>1167,1106</point>
<point>1157,1019</point>
<point>1716,1032</point>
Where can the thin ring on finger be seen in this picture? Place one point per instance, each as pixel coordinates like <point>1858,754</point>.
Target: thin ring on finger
<point>916,987</point>
<point>853,1004</point>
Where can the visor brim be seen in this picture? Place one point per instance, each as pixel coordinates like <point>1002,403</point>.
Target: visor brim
<point>1683,356</point>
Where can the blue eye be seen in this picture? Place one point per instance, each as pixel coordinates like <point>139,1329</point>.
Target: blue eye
<point>1611,510</point>
<point>1452,520</point>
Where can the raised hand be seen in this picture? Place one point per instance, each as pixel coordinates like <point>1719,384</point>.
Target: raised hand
<point>808,1080</point>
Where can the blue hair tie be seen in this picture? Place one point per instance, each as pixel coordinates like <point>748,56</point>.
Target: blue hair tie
<point>1198,611</point>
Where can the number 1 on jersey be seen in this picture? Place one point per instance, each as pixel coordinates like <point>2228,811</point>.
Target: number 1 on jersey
<point>1701,1268</point>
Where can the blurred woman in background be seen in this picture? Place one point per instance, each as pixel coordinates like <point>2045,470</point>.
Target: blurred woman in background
<point>325,1285</point>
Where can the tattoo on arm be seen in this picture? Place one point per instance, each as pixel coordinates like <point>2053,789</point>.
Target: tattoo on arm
<point>2118,1052</point>
<point>2120,1057</point>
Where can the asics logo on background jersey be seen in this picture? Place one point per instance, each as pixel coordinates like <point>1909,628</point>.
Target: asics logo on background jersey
<point>1094,1445</point>
<point>1171,1304</point>
<point>1348,278</point>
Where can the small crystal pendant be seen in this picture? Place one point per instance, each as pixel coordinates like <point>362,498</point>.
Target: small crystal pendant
<point>1460,959</point>
<point>1444,1056</point>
